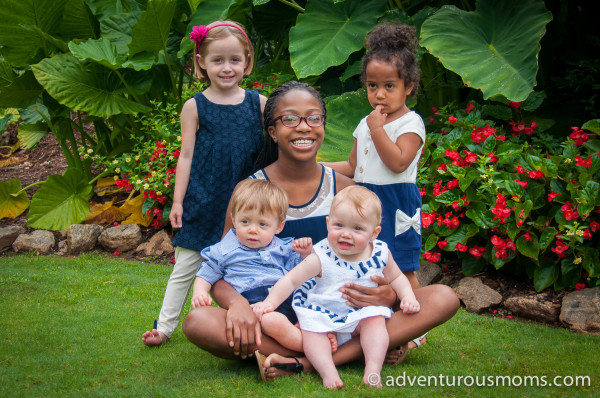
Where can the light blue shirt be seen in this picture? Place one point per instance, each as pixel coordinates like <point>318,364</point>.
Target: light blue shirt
<point>244,268</point>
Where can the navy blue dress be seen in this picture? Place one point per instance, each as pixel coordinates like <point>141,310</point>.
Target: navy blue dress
<point>228,141</point>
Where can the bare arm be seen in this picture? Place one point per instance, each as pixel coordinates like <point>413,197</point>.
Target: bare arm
<point>189,125</point>
<point>345,167</point>
<point>401,285</point>
<point>308,268</point>
<point>397,156</point>
<point>200,296</point>
<point>242,328</point>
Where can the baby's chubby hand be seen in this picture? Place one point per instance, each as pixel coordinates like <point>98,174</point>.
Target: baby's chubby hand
<point>260,308</point>
<point>201,299</point>
<point>303,246</point>
<point>376,118</point>
<point>410,305</point>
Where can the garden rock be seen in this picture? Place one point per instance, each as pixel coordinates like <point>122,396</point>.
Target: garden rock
<point>5,138</point>
<point>63,248</point>
<point>39,240</point>
<point>158,245</point>
<point>427,273</point>
<point>8,235</point>
<point>538,307</point>
<point>581,310</point>
<point>121,238</point>
<point>82,237</point>
<point>475,295</point>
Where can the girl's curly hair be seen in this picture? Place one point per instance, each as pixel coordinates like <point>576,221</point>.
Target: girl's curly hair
<point>396,44</point>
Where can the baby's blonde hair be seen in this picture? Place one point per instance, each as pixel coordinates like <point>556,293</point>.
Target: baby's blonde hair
<point>364,200</point>
<point>218,33</point>
<point>261,195</point>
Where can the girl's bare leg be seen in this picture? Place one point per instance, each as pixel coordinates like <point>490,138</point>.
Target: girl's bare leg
<point>277,326</point>
<point>374,341</point>
<point>317,349</point>
<point>438,304</point>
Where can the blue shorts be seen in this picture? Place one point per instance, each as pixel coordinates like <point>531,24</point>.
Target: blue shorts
<point>260,293</point>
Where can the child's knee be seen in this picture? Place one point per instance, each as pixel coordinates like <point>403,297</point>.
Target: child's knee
<point>274,321</point>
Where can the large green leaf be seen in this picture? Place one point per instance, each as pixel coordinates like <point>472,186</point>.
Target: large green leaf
<point>119,28</point>
<point>545,276</point>
<point>84,88</point>
<point>11,205</point>
<point>102,51</point>
<point>343,115</point>
<point>7,75</point>
<point>494,48</point>
<point>20,43</point>
<point>22,92</point>
<point>61,201</point>
<point>327,33</point>
<point>78,22</point>
<point>31,134</point>
<point>151,32</point>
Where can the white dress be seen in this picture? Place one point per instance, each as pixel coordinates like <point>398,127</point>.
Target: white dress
<point>318,303</point>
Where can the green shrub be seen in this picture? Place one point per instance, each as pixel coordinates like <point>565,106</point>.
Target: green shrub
<point>503,194</point>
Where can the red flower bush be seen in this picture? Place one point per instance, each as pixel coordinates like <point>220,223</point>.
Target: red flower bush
<point>497,198</point>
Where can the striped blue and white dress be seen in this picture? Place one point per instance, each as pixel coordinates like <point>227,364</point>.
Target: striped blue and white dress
<point>318,303</point>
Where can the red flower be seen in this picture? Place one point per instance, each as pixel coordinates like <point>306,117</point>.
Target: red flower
<point>442,167</point>
<point>470,107</point>
<point>176,153</point>
<point>454,155</point>
<point>477,251</point>
<point>116,253</point>
<point>552,195</point>
<point>432,257</point>
<point>579,286</point>
<point>452,223</point>
<point>461,247</point>
<point>522,183</point>
<point>587,234</point>
<point>422,191</point>
<point>534,175</point>
<point>427,219</point>
<point>571,214</point>
<point>519,169</point>
<point>560,249</point>
<point>452,184</point>
<point>470,157</point>
<point>431,120</point>
<point>578,136</point>
<point>586,163</point>
<point>514,105</point>
<point>434,110</point>
<point>258,85</point>
<point>527,237</point>
<point>497,241</point>
<point>493,158</point>
<point>594,226</point>
<point>441,244</point>
<point>452,119</point>
<point>500,138</point>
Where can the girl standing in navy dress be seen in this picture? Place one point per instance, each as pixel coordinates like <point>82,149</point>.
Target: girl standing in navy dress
<point>221,136</point>
<point>388,142</point>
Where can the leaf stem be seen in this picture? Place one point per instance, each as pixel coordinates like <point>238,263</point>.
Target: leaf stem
<point>293,4</point>
<point>29,186</point>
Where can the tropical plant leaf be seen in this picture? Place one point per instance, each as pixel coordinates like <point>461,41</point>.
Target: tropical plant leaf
<point>11,205</point>
<point>345,111</point>
<point>101,50</point>
<point>103,9</point>
<point>61,201</point>
<point>31,134</point>
<point>134,207</point>
<point>20,44</point>
<point>118,30</point>
<point>78,22</point>
<point>494,48</point>
<point>7,75</point>
<point>592,125</point>
<point>545,276</point>
<point>21,92</point>
<point>84,88</point>
<point>327,33</point>
<point>151,32</point>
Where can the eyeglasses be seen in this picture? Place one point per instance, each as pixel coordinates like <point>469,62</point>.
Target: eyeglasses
<point>295,120</point>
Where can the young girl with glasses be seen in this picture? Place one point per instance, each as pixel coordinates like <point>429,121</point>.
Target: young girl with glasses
<point>221,136</point>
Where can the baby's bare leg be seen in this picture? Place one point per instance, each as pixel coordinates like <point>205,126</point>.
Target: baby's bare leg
<point>278,326</point>
<point>317,349</point>
<point>374,340</point>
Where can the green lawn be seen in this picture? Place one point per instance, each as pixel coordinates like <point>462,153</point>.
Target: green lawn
<point>72,327</point>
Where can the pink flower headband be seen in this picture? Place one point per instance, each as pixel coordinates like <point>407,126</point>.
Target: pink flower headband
<point>199,33</point>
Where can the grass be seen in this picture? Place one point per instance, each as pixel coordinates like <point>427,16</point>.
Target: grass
<point>72,327</point>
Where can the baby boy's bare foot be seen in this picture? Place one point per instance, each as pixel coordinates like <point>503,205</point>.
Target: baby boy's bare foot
<point>154,338</point>
<point>333,341</point>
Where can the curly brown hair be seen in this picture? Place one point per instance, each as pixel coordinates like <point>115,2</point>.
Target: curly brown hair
<point>396,44</point>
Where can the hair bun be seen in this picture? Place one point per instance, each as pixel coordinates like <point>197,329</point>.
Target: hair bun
<point>392,37</point>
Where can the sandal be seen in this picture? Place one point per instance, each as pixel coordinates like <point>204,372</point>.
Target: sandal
<point>417,341</point>
<point>290,368</point>
<point>403,350</point>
